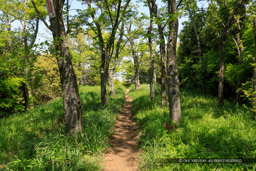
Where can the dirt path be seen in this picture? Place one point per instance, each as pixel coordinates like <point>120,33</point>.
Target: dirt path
<point>124,152</point>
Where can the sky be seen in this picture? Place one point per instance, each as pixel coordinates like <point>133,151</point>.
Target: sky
<point>45,34</point>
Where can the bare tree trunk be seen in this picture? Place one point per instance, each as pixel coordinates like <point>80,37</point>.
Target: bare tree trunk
<point>152,57</point>
<point>173,79</point>
<point>163,74</point>
<point>198,40</point>
<point>103,79</point>
<point>137,75</point>
<point>240,49</point>
<point>221,70</point>
<point>162,53</point>
<point>112,70</point>
<point>111,86</point>
<point>136,66</point>
<point>254,71</point>
<point>26,88</point>
<point>71,100</point>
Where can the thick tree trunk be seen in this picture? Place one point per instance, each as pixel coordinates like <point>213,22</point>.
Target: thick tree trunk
<point>111,86</point>
<point>71,100</point>
<point>173,79</point>
<point>254,71</point>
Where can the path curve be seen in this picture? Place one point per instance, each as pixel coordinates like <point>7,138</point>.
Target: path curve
<point>124,152</point>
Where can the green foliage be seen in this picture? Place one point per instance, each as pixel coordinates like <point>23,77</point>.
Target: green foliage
<point>205,132</point>
<point>47,79</point>
<point>10,95</point>
<point>36,140</point>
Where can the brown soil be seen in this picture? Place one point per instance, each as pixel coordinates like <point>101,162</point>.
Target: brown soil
<point>124,152</point>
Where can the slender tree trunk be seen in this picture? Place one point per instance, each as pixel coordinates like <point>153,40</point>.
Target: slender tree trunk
<point>254,71</point>
<point>162,53</point>
<point>137,75</point>
<point>103,79</point>
<point>152,59</point>
<point>240,50</point>
<point>136,66</point>
<point>163,73</point>
<point>71,100</point>
<point>112,70</point>
<point>198,40</point>
<point>173,79</point>
<point>27,94</point>
<point>221,70</point>
<point>221,56</point>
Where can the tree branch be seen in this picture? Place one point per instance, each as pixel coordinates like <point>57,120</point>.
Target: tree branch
<point>179,4</point>
<point>35,33</point>
<point>109,13</point>
<point>40,15</point>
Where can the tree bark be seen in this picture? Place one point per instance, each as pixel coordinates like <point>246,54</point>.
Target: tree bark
<point>254,71</point>
<point>71,100</point>
<point>136,65</point>
<point>173,79</point>
<point>162,54</point>
<point>152,56</point>
<point>111,86</point>
<point>26,86</point>
<point>221,70</point>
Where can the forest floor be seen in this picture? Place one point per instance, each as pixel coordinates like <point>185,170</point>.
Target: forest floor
<point>124,152</point>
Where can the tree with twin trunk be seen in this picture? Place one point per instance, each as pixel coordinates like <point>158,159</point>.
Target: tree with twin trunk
<point>154,12</point>
<point>172,70</point>
<point>71,100</point>
<point>130,35</point>
<point>99,15</point>
<point>111,72</point>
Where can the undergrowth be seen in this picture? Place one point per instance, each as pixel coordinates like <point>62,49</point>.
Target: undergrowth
<point>205,132</point>
<point>36,140</point>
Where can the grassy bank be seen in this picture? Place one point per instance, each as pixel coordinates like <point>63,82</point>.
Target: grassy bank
<point>36,140</point>
<point>205,132</point>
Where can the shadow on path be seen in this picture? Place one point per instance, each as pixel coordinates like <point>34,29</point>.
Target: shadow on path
<point>124,151</point>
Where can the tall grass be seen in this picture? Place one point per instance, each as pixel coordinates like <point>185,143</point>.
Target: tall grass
<point>206,132</point>
<point>36,140</point>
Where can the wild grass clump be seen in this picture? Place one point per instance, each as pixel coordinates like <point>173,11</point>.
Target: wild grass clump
<point>36,140</point>
<point>206,132</point>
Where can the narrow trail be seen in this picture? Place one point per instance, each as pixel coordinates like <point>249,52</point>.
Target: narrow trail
<point>124,152</point>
